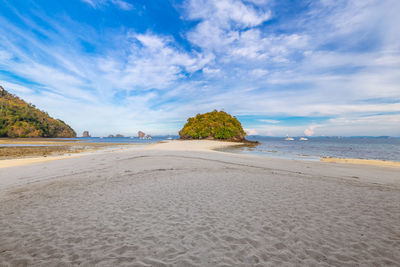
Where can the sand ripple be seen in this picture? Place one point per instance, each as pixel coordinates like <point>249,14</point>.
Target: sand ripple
<point>188,212</point>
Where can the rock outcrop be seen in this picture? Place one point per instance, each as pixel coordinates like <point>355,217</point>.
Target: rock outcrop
<point>141,134</point>
<point>85,134</point>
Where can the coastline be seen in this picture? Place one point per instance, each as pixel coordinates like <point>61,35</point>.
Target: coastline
<point>177,145</point>
<point>79,150</point>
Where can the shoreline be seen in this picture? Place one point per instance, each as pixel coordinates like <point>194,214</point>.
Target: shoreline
<point>174,145</point>
<point>21,161</point>
<point>185,145</point>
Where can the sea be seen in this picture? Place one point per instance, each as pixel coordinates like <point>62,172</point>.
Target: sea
<point>379,148</point>
<point>127,140</point>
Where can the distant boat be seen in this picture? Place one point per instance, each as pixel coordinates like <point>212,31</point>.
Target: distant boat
<point>289,138</point>
<point>169,138</point>
<point>303,139</point>
<point>132,137</point>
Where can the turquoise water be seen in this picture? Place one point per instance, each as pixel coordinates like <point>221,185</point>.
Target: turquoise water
<point>380,148</point>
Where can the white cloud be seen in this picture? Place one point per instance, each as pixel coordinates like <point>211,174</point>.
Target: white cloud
<point>125,5</point>
<point>224,23</point>
<point>16,88</point>
<point>251,132</point>
<point>259,73</point>
<point>211,71</point>
<point>310,130</point>
<point>269,121</point>
<point>227,13</point>
<point>155,63</point>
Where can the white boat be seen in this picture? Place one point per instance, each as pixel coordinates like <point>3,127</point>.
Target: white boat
<point>289,138</point>
<point>169,138</point>
<point>303,139</point>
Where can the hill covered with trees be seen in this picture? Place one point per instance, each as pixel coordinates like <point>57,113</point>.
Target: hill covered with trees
<point>213,125</point>
<point>20,119</point>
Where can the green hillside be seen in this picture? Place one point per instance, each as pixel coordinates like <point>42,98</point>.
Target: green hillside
<point>213,125</point>
<point>20,119</point>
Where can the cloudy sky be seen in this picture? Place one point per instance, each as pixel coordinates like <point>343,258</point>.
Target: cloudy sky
<point>311,67</point>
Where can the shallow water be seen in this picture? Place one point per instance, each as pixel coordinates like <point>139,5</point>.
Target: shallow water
<point>134,140</point>
<point>25,145</point>
<point>127,140</point>
<point>380,148</point>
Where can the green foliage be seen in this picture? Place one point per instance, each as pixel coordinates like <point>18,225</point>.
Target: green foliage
<point>213,125</point>
<point>20,119</point>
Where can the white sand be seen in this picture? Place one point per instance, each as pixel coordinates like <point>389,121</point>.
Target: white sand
<point>191,145</point>
<point>170,205</point>
<point>6,163</point>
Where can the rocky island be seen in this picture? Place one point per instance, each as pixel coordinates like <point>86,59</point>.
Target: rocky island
<point>20,119</point>
<point>213,125</point>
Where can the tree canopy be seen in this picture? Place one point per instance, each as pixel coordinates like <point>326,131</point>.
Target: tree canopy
<point>213,125</point>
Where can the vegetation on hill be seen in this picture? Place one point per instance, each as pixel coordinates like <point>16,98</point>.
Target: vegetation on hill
<point>20,119</point>
<point>213,125</point>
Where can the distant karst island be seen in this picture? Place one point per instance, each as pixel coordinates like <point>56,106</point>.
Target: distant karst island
<point>20,119</point>
<point>217,125</point>
<point>141,135</point>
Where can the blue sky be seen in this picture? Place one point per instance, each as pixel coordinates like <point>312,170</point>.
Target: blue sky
<point>282,67</point>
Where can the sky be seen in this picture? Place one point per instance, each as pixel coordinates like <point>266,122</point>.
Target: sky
<point>311,67</point>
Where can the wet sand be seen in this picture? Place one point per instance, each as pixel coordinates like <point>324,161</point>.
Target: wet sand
<point>180,204</point>
<point>46,149</point>
<point>363,162</point>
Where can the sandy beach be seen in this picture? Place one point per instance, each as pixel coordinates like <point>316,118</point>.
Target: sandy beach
<point>181,204</point>
<point>21,151</point>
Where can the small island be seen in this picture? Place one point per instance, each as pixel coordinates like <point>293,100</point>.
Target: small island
<point>215,125</point>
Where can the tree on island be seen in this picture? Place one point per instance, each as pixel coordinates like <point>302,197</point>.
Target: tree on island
<point>213,125</point>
